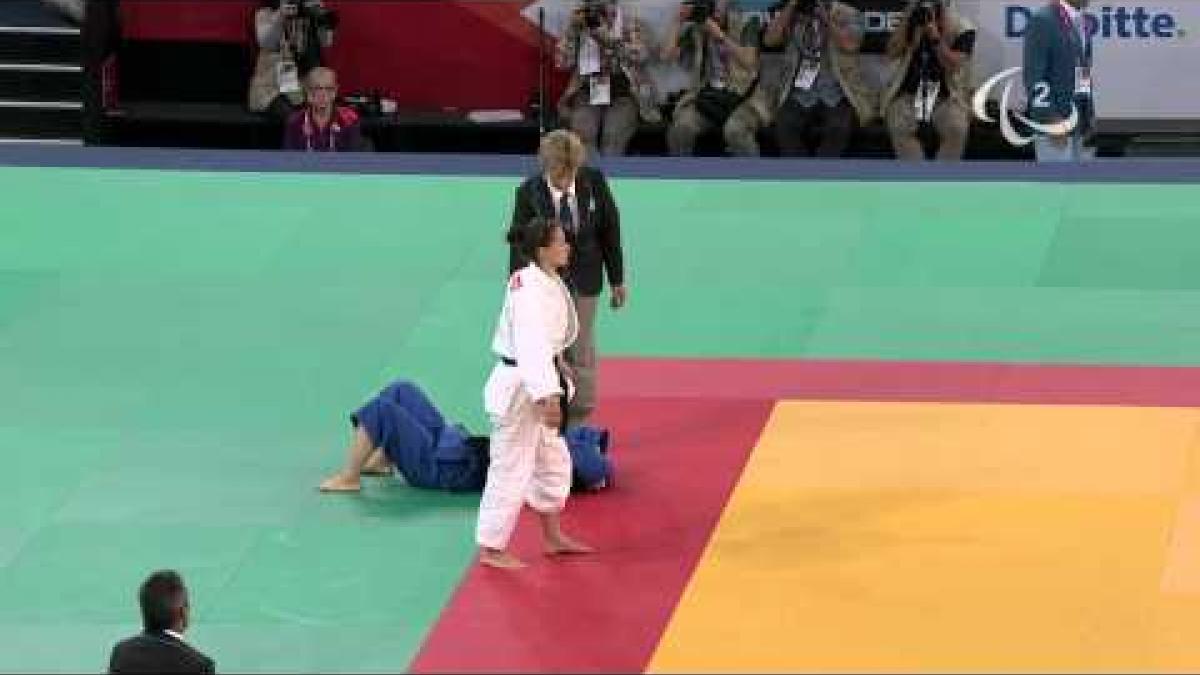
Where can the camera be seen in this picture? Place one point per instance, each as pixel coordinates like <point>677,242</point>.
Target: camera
<point>594,14</point>
<point>925,12</point>
<point>700,11</point>
<point>315,10</point>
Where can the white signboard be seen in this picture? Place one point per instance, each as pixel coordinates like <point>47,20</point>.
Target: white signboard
<point>1147,53</point>
<point>1147,58</point>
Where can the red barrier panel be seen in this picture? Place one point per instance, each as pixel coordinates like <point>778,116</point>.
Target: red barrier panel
<point>227,21</point>
<point>430,54</point>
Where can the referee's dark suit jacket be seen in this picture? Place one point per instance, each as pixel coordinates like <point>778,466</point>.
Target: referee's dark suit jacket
<point>1052,52</point>
<point>595,242</point>
<point>157,652</point>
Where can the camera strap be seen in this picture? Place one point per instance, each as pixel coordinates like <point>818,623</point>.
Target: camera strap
<point>810,44</point>
<point>294,35</point>
<point>812,38</point>
<point>717,58</point>
<point>311,133</point>
<point>925,100</point>
<point>591,68</point>
<point>287,73</point>
<point>929,82</point>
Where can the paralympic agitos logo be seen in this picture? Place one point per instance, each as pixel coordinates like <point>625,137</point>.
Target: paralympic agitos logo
<point>1008,111</point>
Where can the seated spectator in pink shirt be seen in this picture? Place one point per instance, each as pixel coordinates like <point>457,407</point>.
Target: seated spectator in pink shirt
<point>321,125</point>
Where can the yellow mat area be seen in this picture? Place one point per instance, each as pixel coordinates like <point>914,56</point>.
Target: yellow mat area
<point>953,537</point>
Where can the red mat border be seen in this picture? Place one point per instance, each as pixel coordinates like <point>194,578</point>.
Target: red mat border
<point>758,379</point>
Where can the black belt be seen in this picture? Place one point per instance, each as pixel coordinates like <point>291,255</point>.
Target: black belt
<point>562,382</point>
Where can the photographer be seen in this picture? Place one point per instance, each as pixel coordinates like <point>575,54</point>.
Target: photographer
<point>290,35</point>
<point>930,84</point>
<point>604,47</point>
<point>821,85</point>
<point>718,48</point>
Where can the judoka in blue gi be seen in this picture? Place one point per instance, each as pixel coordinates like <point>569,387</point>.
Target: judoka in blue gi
<point>401,429</point>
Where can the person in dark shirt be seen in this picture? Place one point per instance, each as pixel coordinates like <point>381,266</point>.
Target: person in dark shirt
<point>930,54</point>
<point>160,647</point>
<point>322,125</point>
<point>820,90</point>
<point>718,46</point>
<point>1058,60</point>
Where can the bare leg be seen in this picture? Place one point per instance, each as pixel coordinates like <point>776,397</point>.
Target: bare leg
<point>347,480</point>
<point>493,557</point>
<point>377,464</point>
<point>555,540</point>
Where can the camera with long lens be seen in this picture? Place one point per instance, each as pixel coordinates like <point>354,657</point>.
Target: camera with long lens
<point>594,13</point>
<point>925,11</point>
<point>316,11</point>
<point>700,11</point>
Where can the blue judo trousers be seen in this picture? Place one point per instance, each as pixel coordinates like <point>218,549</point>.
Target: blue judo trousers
<point>431,453</point>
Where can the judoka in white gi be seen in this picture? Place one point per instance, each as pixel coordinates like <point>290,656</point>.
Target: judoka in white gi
<point>525,398</point>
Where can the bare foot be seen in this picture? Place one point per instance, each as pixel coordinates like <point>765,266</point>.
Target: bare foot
<point>500,559</point>
<point>564,545</point>
<point>340,482</point>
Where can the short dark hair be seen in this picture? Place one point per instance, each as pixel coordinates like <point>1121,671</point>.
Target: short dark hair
<point>162,596</point>
<point>531,235</point>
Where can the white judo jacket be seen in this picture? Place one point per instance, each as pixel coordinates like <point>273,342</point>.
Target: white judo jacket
<point>538,323</point>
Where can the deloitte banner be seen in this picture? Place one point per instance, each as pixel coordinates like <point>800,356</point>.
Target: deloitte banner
<point>1145,52</point>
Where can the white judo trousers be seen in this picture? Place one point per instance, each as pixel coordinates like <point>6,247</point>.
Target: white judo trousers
<point>529,465</point>
<point>529,461</point>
